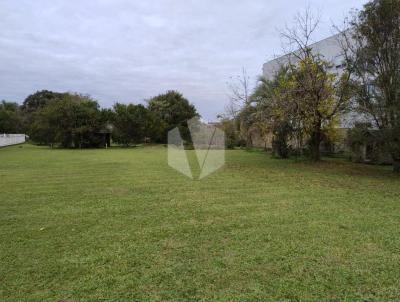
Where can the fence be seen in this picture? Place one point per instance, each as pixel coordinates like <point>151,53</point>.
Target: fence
<point>11,139</point>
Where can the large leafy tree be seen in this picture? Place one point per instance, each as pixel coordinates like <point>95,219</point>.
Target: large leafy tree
<point>35,102</point>
<point>40,99</point>
<point>303,102</point>
<point>317,100</point>
<point>315,97</point>
<point>131,123</point>
<point>373,57</point>
<point>10,118</point>
<point>171,110</point>
<point>272,115</point>
<point>73,121</point>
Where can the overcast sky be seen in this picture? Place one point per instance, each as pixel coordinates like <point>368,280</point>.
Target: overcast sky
<point>128,51</point>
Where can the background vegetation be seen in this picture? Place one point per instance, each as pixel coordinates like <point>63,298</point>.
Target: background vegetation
<point>302,105</point>
<point>77,121</point>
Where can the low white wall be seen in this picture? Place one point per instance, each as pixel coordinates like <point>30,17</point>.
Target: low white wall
<point>11,139</point>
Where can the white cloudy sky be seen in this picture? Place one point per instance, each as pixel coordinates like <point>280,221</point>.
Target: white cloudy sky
<point>127,51</point>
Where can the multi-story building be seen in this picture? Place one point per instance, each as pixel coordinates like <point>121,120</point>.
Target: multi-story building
<point>330,50</point>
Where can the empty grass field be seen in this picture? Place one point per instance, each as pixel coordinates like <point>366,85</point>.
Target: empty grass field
<point>120,225</point>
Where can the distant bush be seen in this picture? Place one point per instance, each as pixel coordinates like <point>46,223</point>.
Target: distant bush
<point>367,144</point>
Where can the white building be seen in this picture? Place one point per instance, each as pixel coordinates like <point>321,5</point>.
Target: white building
<point>329,49</point>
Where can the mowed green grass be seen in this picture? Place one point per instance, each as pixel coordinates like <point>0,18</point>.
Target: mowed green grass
<point>120,225</point>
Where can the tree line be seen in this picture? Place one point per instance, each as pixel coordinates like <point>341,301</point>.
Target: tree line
<point>71,120</point>
<point>302,105</point>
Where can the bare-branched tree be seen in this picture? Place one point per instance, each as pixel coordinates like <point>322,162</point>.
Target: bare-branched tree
<point>297,38</point>
<point>239,107</point>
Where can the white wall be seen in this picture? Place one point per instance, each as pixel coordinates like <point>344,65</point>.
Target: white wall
<point>11,139</point>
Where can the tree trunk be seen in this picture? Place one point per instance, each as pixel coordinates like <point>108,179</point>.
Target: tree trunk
<point>315,144</point>
<point>300,144</point>
<point>396,165</point>
<point>249,142</point>
<point>395,153</point>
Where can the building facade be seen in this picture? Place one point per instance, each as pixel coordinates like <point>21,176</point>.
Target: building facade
<point>329,49</point>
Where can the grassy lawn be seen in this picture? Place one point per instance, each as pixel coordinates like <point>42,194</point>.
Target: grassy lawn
<point>120,225</point>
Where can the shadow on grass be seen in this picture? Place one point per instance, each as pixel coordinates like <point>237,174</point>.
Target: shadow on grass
<point>335,165</point>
